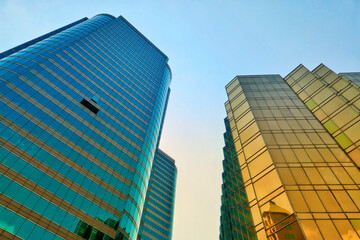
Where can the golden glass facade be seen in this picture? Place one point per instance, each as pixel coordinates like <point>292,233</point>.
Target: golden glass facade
<point>299,182</point>
<point>334,100</point>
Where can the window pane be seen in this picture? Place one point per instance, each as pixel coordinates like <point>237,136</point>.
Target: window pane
<point>313,201</point>
<point>345,229</point>
<point>310,229</point>
<point>260,163</point>
<point>267,184</point>
<point>328,229</point>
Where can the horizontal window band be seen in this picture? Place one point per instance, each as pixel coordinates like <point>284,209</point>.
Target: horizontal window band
<point>155,230</point>
<point>7,235</point>
<point>160,210</point>
<point>155,222</point>
<point>61,137</point>
<point>124,82</point>
<point>36,218</point>
<point>46,204</point>
<point>60,178</point>
<point>64,140</point>
<point>66,160</point>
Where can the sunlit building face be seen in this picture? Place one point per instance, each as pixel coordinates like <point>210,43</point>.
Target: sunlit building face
<point>334,99</point>
<point>299,181</point>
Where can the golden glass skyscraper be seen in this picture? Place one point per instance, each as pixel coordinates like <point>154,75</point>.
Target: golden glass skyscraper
<point>300,182</point>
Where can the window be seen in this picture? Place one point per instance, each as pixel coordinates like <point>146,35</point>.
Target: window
<point>90,106</point>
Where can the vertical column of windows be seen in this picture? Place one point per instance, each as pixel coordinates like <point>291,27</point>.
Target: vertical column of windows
<point>269,204</point>
<point>241,118</point>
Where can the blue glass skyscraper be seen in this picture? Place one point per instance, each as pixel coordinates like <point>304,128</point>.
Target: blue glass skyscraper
<point>81,110</point>
<point>157,218</point>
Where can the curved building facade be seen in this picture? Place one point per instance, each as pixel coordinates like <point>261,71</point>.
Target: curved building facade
<point>81,111</point>
<point>157,218</point>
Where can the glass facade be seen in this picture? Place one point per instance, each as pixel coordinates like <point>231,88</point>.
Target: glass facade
<point>157,218</point>
<point>335,101</point>
<point>299,181</point>
<point>81,110</point>
<point>236,221</point>
<point>352,76</point>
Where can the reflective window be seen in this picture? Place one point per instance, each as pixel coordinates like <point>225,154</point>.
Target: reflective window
<point>267,184</point>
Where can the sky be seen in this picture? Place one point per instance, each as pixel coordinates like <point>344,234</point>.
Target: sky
<point>208,43</point>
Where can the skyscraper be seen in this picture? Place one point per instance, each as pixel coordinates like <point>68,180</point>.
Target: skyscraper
<point>157,218</point>
<point>81,110</point>
<point>301,181</point>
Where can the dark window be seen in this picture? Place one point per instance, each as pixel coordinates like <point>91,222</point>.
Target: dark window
<point>89,105</point>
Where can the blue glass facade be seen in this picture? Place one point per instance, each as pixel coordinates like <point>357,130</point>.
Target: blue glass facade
<point>157,218</point>
<point>81,111</point>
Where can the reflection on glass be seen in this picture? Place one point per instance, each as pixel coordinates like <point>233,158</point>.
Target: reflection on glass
<point>88,232</point>
<point>267,184</point>
<point>280,223</point>
<point>345,229</point>
<point>328,229</point>
<point>356,225</point>
<point>260,163</point>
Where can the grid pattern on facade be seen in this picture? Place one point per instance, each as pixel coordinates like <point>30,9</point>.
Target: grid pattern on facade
<point>61,163</point>
<point>352,76</point>
<point>335,101</point>
<point>299,182</point>
<point>158,213</point>
<point>236,221</point>
<point>38,39</point>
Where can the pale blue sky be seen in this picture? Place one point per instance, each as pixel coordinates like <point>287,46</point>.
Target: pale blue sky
<point>208,43</point>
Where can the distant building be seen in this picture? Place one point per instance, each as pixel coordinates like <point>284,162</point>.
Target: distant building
<point>81,110</point>
<point>158,213</point>
<point>296,142</point>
